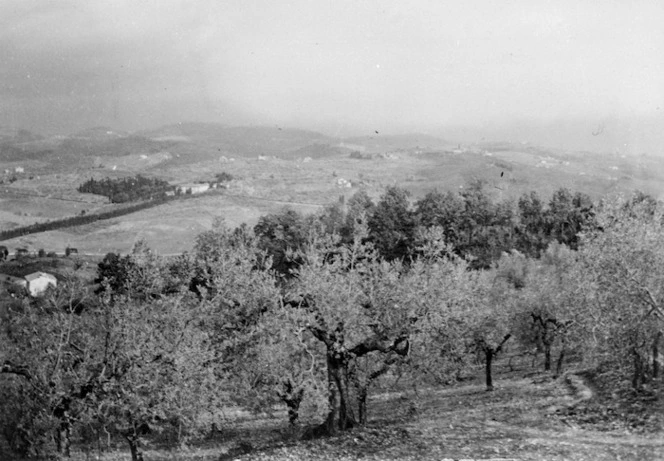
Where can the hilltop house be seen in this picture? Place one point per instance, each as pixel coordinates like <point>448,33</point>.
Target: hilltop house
<point>38,282</point>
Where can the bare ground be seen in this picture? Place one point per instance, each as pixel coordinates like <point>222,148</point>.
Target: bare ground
<point>523,419</point>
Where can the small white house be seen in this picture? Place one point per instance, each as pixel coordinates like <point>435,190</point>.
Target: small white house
<point>341,182</point>
<point>38,282</point>
<point>193,188</point>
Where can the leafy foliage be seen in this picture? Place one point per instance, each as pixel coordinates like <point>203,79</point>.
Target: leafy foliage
<point>126,189</point>
<point>624,312</point>
<point>282,236</point>
<point>392,225</point>
<point>313,312</point>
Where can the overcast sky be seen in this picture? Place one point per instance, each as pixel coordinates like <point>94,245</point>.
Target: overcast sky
<point>68,65</point>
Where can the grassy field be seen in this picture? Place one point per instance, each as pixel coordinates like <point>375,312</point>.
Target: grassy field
<point>530,416</point>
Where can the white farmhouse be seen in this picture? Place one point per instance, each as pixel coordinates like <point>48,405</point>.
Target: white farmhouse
<point>193,188</point>
<point>38,282</point>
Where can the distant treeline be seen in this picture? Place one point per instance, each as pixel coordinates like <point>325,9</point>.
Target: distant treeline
<point>79,220</point>
<point>127,189</point>
<point>90,218</point>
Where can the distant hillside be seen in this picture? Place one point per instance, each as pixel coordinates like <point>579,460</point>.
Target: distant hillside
<point>201,142</point>
<point>214,139</point>
<point>629,136</point>
<point>18,136</point>
<point>18,145</point>
<point>380,142</point>
<point>99,133</point>
<point>316,151</point>
<point>110,146</point>
<point>10,153</point>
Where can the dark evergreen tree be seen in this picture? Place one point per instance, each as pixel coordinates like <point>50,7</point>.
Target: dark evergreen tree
<point>532,236</point>
<point>444,210</point>
<point>568,215</point>
<point>392,225</point>
<point>282,236</point>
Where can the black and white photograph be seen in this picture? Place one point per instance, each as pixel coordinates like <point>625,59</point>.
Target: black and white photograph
<point>331,230</point>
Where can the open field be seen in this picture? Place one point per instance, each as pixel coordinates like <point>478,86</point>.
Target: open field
<point>169,229</point>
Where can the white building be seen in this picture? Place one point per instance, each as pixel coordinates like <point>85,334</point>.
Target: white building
<point>38,282</point>
<point>193,188</point>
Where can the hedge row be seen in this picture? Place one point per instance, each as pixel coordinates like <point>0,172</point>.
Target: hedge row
<point>80,220</point>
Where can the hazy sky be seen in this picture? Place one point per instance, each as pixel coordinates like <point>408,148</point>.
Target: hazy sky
<point>67,65</point>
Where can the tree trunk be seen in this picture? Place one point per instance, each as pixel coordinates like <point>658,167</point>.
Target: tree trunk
<point>293,410</point>
<point>64,438</point>
<point>63,431</point>
<point>655,355</point>
<point>488,354</point>
<point>132,439</point>
<point>328,427</point>
<point>346,415</point>
<point>637,378</point>
<point>338,374</point>
<point>362,405</point>
<point>292,398</point>
<point>559,363</point>
<point>547,356</point>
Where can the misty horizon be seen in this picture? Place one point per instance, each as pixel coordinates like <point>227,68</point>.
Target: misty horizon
<point>568,75</point>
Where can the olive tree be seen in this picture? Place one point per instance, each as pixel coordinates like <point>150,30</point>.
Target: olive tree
<point>625,315</point>
<point>445,292</point>
<point>352,305</point>
<point>547,296</point>
<point>488,326</point>
<point>48,368</point>
<point>282,367</point>
<point>156,359</point>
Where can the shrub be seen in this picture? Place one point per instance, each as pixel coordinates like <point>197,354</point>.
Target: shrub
<point>224,177</point>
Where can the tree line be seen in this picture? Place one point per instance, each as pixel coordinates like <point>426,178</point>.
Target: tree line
<point>89,218</point>
<point>80,220</point>
<point>128,189</point>
<point>477,228</point>
<point>312,313</point>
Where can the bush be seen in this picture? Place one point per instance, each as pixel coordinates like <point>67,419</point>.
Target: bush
<point>224,177</point>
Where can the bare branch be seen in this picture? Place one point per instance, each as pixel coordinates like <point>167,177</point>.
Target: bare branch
<point>502,343</point>
<point>19,370</point>
<point>376,344</point>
